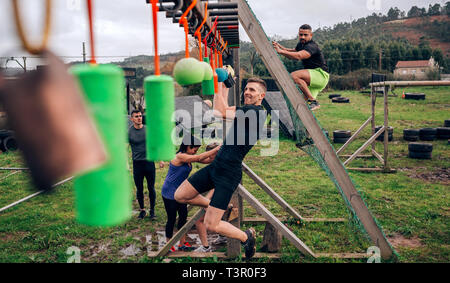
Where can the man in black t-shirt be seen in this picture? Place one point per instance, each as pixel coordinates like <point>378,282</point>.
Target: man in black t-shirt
<point>225,173</point>
<point>314,78</point>
<point>142,168</point>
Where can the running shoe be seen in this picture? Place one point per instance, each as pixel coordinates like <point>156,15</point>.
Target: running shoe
<point>203,249</point>
<point>142,214</point>
<point>152,215</point>
<point>220,240</point>
<point>250,244</point>
<point>185,248</point>
<point>313,104</point>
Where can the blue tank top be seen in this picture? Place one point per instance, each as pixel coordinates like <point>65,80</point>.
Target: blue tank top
<point>174,178</point>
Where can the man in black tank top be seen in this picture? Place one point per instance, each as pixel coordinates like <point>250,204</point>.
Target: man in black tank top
<point>315,75</point>
<point>225,173</point>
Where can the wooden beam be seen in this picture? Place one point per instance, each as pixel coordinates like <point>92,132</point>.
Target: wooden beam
<point>411,83</point>
<point>371,170</point>
<point>378,156</point>
<point>220,255</point>
<point>260,182</point>
<point>261,209</point>
<point>365,145</point>
<point>344,255</point>
<point>261,220</point>
<point>164,250</point>
<point>355,135</point>
<point>295,97</point>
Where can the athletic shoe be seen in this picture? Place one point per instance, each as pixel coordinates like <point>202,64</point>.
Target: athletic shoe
<point>152,215</point>
<point>250,244</point>
<point>220,240</point>
<point>203,249</point>
<point>185,248</point>
<point>172,249</point>
<point>313,104</point>
<point>142,214</point>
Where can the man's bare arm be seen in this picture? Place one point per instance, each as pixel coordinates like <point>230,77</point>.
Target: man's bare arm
<point>221,107</point>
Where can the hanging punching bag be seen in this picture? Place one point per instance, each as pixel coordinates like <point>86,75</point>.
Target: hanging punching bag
<point>208,85</point>
<point>103,196</point>
<point>160,106</point>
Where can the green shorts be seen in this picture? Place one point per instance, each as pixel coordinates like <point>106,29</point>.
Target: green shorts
<point>319,80</point>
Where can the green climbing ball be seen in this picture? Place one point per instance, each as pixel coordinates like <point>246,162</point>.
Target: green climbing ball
<point>208,75</point>
<point>188,71</point>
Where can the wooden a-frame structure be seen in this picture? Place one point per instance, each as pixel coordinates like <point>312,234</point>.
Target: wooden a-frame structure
<point>287,85</point>
<point>294,97</point>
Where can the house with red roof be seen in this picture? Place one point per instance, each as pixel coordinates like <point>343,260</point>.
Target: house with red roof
<point>415,69</point>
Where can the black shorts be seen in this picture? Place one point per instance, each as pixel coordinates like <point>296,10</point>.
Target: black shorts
<point>223,180</point>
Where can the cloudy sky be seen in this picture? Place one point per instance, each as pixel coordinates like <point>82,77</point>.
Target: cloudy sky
<point>123,27</point>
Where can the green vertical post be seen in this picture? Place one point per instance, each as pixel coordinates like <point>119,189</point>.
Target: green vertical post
<point>103,195</point>
<point>160,107</point>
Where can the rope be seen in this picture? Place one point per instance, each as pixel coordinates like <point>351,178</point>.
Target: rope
<point>91,31</point>
<point>155,36</point>
<point>184,22</point>
<point>199,35</point>
<point>35,50</point>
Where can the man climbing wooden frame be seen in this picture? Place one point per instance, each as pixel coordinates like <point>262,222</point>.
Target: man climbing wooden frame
<point>286,84</point>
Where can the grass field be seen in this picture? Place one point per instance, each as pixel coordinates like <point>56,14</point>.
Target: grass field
<point>411,205</point>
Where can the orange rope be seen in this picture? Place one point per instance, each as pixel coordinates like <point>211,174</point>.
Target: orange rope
<point>199,35</point>
<point>91,31</point>
<point>184,22</point>
<point>33,49</point>
<point>155,35</point>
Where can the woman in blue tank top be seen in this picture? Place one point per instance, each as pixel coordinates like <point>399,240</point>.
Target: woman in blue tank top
<point>179,169</point>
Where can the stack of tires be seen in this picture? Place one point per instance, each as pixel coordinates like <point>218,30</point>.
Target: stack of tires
<point>411,135</point>
<point>443,133</point>
<point>341,136</point>
<point>420,150</point>
<point>7,141</point>
<point>390,133</point>
<point>427,134</point>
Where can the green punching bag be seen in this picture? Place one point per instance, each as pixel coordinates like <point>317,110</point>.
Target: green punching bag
<point>103,196</point>
<point>208,86</point>
<point>160,107</point>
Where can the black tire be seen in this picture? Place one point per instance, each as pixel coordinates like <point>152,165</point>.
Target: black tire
<point>420,147</point>
<point>426,133</point>
<point>340,140</point>
<point>10,144</point>
<point>411,132</point>
<point>445,137</point>
<point>443,131</point>
<point>381,137</point>
<point>2,149</point>
<point>415,96</point>
<point>390,129</point>
<point>342,134</point>
<point>340,100</point>
<point>331,96</point>
<point>420,155</point>
<point>427,138</point>
<point>447,123</point>
<point>4,133</point>
<point>411,138</point>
